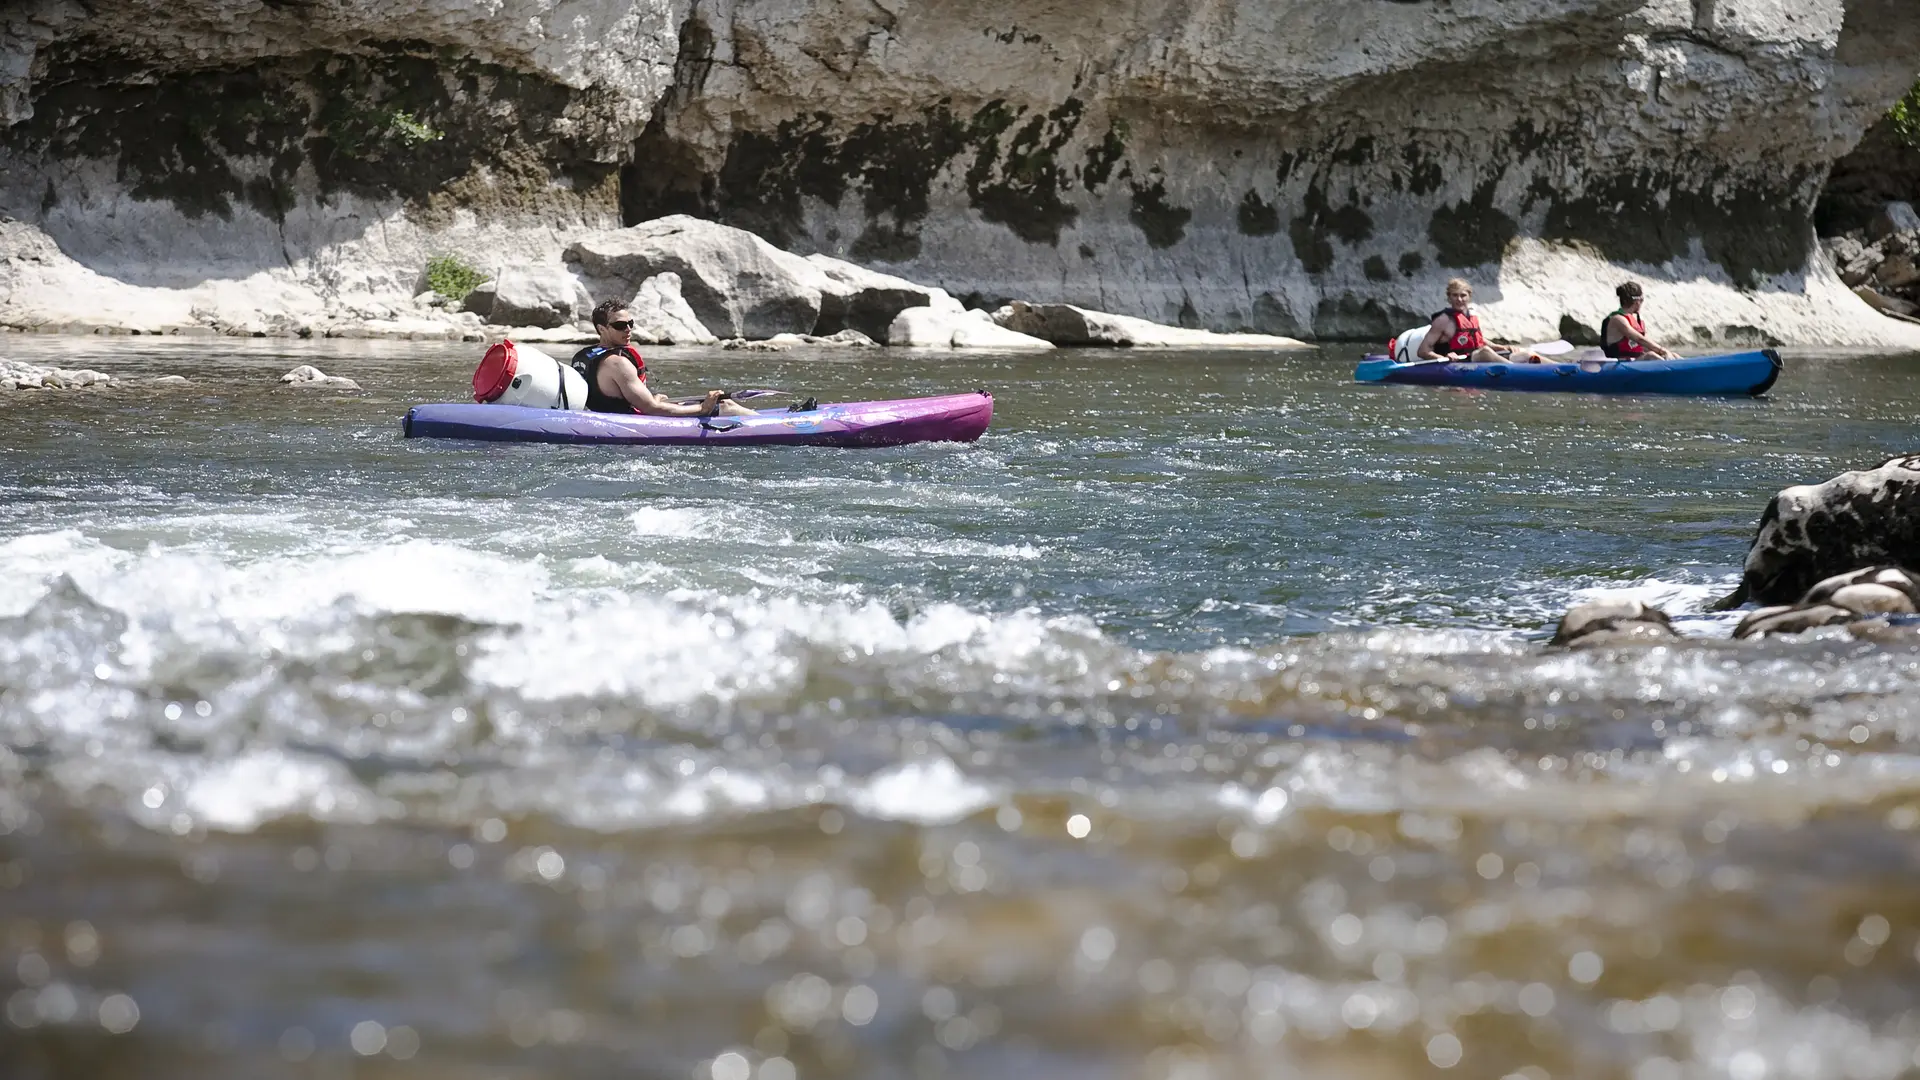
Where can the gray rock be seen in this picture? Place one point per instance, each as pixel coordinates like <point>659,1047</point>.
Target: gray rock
<point>661,315</point>
<point>1879,301</point>
<point>1067,325</point>
<point>1895,217</point>
<point>1876,590</point>
<point>1812,532</point>
<point>1790,620</point>
<point>855,298</point>
<point>928,328</point>
<point>543,296</point>
<point>1897,272</point>
<point>19,375</point>
<point>738,285</point>
<point>1613,622</point>
<point>848,338</point>
<point>308,377</point>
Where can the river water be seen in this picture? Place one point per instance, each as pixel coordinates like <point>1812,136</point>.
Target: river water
<point>1196,722</point>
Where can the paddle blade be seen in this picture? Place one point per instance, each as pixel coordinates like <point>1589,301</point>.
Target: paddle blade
<point>1373,369</point>
<point>1552,348</point>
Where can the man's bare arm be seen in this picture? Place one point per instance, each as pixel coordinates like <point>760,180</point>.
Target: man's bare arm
<point>637,394</point>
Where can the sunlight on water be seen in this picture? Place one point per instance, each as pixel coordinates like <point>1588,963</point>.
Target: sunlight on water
<point>1194,723</point>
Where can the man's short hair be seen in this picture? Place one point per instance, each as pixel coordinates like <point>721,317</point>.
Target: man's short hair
<point>603,314</point>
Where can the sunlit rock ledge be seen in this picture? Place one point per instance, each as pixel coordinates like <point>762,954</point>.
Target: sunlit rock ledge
<point>1305,169</point>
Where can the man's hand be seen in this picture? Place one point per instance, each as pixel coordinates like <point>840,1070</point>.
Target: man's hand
<point>711,404</point>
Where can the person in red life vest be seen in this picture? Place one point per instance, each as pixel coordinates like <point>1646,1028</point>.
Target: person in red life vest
<point>1623,334</point>
<point>1455,334</point>
<point>617,376</point>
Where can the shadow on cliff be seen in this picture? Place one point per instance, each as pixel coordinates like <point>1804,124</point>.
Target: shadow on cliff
<point>268,152</point>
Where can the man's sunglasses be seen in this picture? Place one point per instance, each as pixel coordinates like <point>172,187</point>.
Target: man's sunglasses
<point>623,324</point>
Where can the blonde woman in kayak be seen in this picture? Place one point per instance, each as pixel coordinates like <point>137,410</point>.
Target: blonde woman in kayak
<point>1455,334</point>
<point>1623,334</point>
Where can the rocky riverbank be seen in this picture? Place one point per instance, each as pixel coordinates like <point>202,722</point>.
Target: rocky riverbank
<point>1842,553</point>
<point>1303,170</point>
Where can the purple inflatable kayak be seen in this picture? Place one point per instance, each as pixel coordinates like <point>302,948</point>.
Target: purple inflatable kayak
<point>952,418</point>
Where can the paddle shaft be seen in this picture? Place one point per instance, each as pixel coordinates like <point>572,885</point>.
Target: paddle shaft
<point>737,395</point>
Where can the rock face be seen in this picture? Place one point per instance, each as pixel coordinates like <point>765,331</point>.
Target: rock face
<point>1305,168</point>
<point>1809,533</point>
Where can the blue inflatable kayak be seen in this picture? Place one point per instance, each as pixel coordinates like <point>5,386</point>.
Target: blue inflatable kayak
<point>1750,373</point>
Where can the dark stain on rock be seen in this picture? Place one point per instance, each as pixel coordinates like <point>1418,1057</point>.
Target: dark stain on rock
<point>1354,154</point>
<point>1310,245</point>
<point>1013,175</point>
<point>1354,318</point>
<point>885,241</point>
<point>1653,216</point>
<point>1103,156</point>
<point>1376,269</point>
<point>410,122</point>
<point>1471,233</point>
<point>1086,251</point>
<point>1411,263</point>
<point>1257,216</point>
<point>1021,187</point>
<point>1314,230</point>
<point>1424,176</point>
<point>1162,223</point>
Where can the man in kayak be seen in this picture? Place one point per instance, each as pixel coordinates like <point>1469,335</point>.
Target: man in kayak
<point>617,376</point>
<point>1623,334</point>
<point>1455,334</point>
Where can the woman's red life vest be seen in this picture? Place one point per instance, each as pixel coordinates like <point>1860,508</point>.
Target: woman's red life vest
<point>1466,332</point>
<point>1626,348</point>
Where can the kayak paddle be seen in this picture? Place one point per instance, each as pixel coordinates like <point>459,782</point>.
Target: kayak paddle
<point>738,395</point>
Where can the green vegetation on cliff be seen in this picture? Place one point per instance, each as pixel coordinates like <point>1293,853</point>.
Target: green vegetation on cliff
<point>452,278</point>
<point>1905,118</point>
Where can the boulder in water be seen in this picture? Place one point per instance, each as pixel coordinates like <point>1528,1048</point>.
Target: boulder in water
<point>1808,533</point>
<point>308,377</point>
<point>1605,623</point>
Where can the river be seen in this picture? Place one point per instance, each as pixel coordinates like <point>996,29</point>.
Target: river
<point>1196,722</point>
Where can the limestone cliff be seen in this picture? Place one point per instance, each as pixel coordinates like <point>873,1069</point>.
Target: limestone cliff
<point>1292,166</point>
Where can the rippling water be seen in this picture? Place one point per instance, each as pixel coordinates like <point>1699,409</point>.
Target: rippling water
<point>1194,723</point>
